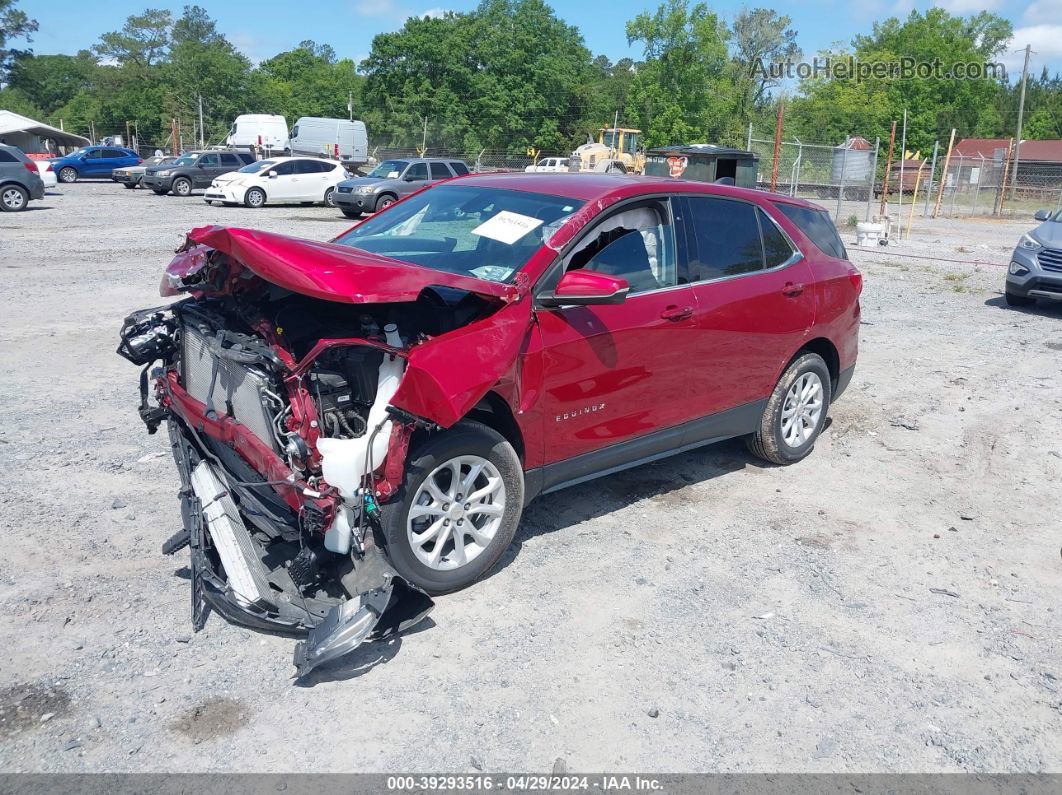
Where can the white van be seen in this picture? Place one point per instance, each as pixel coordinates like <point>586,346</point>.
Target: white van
<point>259,129</point>
<point>316,136</point>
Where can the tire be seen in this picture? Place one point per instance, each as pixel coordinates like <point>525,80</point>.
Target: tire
<point>1013,299</point>
<point>13,198</point>
<point>781,443</point>
<point>330,197</point>
<point>255,197</point>
<point>182,186</point>
<point>160,191</point>
<point>384,202</point>
<point>67,174</point>
<point>128,186</point>
<point>350,213</point>
<point>501,467</point>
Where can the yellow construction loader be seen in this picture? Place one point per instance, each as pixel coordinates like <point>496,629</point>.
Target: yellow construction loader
<point>617,149</point>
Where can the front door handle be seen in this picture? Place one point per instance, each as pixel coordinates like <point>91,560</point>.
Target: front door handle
<point>677,313</point>
<point>792,290</point>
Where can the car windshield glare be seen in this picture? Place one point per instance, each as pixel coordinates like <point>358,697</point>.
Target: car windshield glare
<point>257,166</point>
<point>185,160</point>
<point>470,231</point>
<point>389,169</point>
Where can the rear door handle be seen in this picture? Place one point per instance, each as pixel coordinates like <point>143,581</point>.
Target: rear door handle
<point>792,290</point>
<point>677,313</point>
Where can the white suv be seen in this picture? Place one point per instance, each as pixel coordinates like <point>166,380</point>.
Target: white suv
<point>279,180</point>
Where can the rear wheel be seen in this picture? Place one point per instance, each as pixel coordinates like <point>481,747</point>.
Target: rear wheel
<point>182,186</point>
<point>795,413</point>
<point>68,174</point>
<point>384,202</point>
<point>330,197</point>
<point>255,197</point>
<point>128,185</point>
<point>13,198</point>
<point>1013,299</point>
<point>457,509</point>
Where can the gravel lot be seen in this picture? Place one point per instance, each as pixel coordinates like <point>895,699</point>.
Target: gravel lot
<point>889,604</point>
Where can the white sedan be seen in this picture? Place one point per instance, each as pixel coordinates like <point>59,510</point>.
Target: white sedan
<point>278,180</point>
<point>44,168</point>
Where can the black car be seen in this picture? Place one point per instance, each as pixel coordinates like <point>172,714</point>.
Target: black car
<point>194,171</point>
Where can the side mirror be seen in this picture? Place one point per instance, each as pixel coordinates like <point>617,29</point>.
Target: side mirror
<point>272,175</point>
<point>586,288</point>
<point>200,165</point>
<point>1042,215</point>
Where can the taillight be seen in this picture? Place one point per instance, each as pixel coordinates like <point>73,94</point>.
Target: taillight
<point>857,280</point>
<point>31,167</point>
<point>49,168</point>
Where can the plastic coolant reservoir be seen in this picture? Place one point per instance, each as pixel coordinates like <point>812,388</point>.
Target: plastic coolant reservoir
<point>345,461</point>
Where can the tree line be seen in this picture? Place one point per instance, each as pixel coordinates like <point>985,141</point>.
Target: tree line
<point>511,75</point>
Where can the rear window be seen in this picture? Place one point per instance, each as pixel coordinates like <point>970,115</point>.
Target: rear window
<point>818,226</point>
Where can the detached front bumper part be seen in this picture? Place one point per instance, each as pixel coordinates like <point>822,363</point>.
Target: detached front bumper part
<point>383,603</point>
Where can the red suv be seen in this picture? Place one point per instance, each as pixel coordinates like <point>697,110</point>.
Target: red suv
<point>360,423</point>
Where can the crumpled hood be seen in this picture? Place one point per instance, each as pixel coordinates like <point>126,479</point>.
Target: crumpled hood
<point>320,270</point>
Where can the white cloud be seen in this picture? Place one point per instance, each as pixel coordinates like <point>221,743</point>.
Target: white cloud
<point>1046,41</point>
<point>1043,11</point>
<point>434,13</point>
<point>963,7</point>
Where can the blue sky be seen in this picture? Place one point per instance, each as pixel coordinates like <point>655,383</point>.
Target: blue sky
<point>262,28</point>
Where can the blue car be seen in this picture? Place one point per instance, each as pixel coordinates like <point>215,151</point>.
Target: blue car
<point>93,161</point>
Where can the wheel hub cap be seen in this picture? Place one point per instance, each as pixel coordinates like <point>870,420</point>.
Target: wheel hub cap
<point>456,512</point>
<point>802,409</point>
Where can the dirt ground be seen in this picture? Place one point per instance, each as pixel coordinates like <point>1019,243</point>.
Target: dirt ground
<point>889,604</point>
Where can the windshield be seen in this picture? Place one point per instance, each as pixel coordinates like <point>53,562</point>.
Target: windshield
<point>257,166</point>
<point>389,169</point>
<point>469,231</point>
<point>185,160</point>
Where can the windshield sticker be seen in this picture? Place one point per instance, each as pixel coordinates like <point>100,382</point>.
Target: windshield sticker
<point>494,273</point>
<point>507,227</point>
<point>392,175</point>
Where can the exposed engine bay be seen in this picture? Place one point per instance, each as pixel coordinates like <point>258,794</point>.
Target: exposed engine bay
<point>281,417</point>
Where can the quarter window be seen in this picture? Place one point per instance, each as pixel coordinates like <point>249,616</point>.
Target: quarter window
<point>459,168</point>
<point>726,238</point>
<point>776,248</point>
<point>816,224</point>
<point>7,157</point>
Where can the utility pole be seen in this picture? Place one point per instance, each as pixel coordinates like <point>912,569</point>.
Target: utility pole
<point>888,168</point>
<point>202,139</point>
<point>1021,113</point>
<point>424,138</point>
<point>350,104</point>
<point>903,157</point>
<point>777,142</point>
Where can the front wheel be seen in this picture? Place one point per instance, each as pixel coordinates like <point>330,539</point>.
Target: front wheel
<point>255,197</point>
<point>384,202</point>
<point>182,187</point>
<point>350,213</point>
<point>68,174</point>
<point>795,412</point>
<point>457,509</point>
<point>128,185</point>
<point>160,191</point>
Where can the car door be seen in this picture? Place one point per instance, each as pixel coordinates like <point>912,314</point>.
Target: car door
<point>94,163</point>
<point>127,159</point>
<point>753,303</point>
<point>616,376</point>
<point>284,187</point>
<point>310,179</point>
<point>415,178</point>
<point>229,163</point>
<point>206,168</point>
<point>439,171</point>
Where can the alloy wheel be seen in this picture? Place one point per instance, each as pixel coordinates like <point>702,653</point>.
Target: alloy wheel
<point>802,409</point>
<point>456,512</point>
<point>67,175</point>
<point>13,198</point>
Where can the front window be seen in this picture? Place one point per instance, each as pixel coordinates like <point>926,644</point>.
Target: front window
<point>389,169</point>
<point>186,160</point>
<point>482,232</point>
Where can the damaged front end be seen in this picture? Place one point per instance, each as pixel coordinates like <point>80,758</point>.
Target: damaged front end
<point>277,382</point>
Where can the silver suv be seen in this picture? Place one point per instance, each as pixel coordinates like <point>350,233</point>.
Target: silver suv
<point>391,181</point>
<point>19,180</point>
<point>1036,265</point>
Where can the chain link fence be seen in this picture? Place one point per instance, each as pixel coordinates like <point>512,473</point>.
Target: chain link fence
<point>989,186</point>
